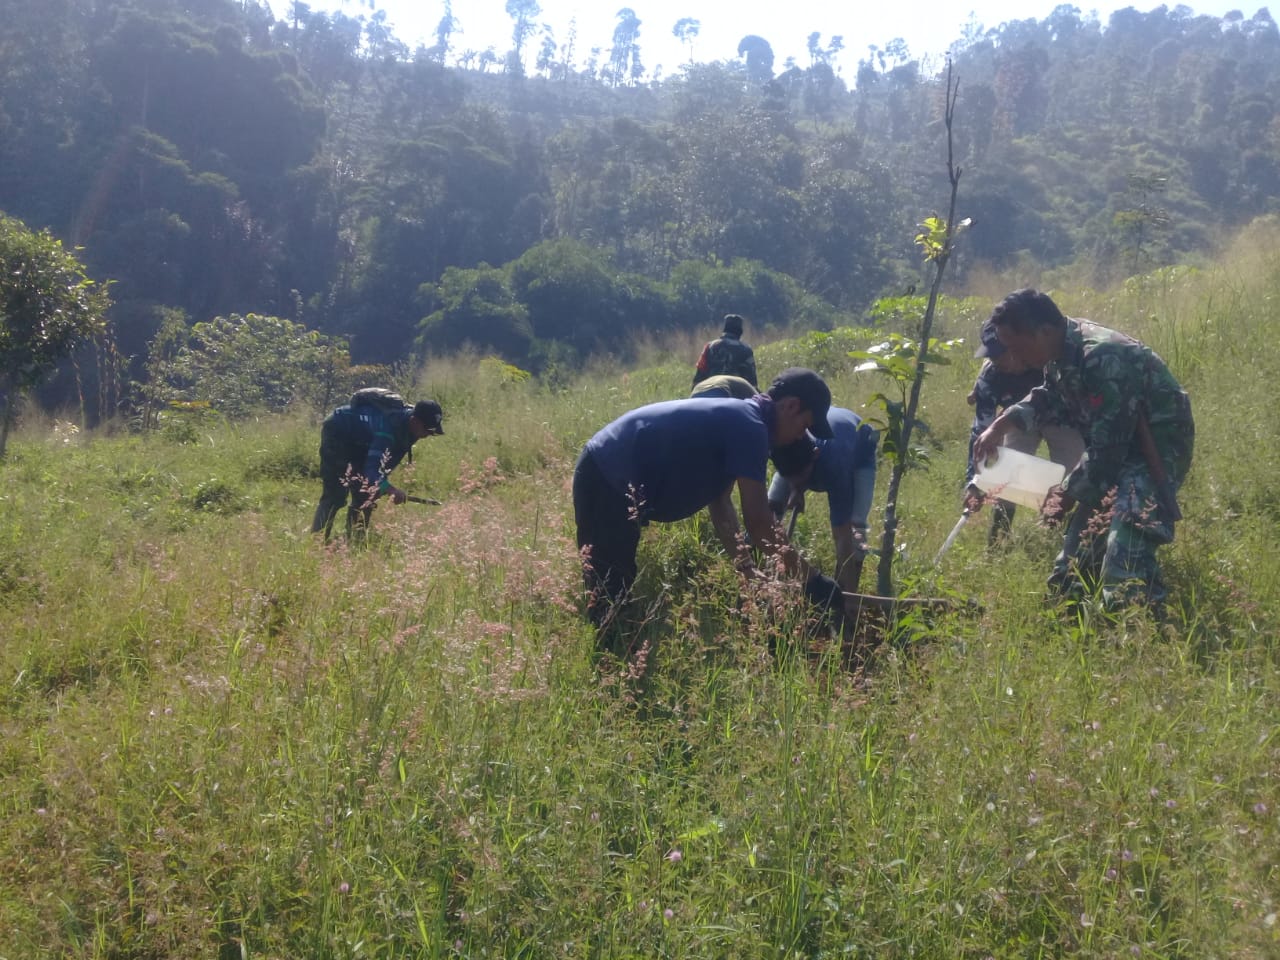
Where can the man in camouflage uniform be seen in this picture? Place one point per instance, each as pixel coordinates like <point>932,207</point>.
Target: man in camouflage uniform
<point>1002,382</point>
<point>727,355</point>
<point>1136,422</point>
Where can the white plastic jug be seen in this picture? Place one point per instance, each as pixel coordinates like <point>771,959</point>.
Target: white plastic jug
<point>1018,477</point>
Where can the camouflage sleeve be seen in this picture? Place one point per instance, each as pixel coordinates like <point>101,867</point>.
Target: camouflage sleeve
<point>1111,392</point>
<point>1043,406</point>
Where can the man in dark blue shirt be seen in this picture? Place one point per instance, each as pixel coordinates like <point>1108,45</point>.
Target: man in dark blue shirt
<point>844,468</point>
<point>666,461</point>
<point>360,444</point>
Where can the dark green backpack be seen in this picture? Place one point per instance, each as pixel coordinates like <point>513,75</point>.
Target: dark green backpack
<point>379,397</point>
<point>383,399</point>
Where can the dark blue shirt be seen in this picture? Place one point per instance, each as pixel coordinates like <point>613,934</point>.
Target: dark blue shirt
<point>680,455</point>
<point>992,392</point>
<point>851,449</point>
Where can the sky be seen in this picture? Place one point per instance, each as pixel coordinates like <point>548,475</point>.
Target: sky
<point>928,26</point>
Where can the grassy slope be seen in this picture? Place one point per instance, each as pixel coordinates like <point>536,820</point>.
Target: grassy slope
<point>219,739</point>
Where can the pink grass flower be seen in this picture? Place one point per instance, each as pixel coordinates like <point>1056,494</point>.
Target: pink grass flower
<point>675,856</point>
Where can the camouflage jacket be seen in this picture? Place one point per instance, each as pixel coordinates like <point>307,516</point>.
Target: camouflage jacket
<point>726,355</point>
<point>1101,384</point>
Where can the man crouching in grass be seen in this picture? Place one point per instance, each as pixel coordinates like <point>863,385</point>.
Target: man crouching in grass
<point>666,461</point>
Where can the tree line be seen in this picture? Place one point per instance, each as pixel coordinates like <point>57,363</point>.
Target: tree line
<point>210,160</point>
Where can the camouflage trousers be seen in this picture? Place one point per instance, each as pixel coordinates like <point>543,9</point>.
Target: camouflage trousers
<point>1111,548</point>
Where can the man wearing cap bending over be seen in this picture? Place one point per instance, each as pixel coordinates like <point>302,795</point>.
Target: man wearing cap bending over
<point>724,385</point>
<point>360,444</point>
<point>727,355</point>
<point>1002,382</point>
<point>666,461</point>
<point>843,467</point>
<point>1136,422</point>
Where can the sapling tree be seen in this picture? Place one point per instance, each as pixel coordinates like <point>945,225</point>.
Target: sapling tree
<point>48,306</point>
<point>907,364</point>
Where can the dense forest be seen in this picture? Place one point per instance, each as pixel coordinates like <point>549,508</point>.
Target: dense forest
<point>214,161</point>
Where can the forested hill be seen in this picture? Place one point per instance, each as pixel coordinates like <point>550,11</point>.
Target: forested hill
<point>211,159</point>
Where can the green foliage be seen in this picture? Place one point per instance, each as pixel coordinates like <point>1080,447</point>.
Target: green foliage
<point>241,364</point>
<point>48,305</point>
<point>932,237</point>
<point>477,309</point>
<point>218,496</point>
<point>896,358</point>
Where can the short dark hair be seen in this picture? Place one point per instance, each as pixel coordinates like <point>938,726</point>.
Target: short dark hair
<point>1027,310</point>
<point>733,324</point>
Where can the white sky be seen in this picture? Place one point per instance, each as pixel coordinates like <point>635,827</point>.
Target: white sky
<point>927,26</point>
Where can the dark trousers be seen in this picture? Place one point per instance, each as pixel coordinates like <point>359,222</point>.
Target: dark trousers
<point>608,537</point>
<point>341,479</point>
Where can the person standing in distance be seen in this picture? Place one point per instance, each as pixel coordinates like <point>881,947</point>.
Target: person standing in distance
<point>727,355</point>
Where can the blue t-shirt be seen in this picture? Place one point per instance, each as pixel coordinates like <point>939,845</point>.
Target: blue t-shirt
<point>851,449</point>
<point>680,455</point>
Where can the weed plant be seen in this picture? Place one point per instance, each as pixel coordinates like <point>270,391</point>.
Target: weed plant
<point>223,739</point>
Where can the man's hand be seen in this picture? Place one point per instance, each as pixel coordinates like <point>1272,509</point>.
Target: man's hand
<point>1056,506</point>
<point>973,498</point>
<point>397,495</point>
<point>990,438</point>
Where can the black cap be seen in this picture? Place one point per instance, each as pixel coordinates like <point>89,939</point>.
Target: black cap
<point>733,324</point>
<point>991,346</point>
<point>429,414</point>
<point>795,457</point>
<point>811,390</point>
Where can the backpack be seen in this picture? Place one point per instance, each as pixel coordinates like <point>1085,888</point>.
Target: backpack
<point>379,397</point>
<point>383,399</point>
<point>732,357</point>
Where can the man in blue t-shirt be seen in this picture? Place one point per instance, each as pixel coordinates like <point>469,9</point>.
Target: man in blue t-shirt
<point>844,468</point>
<point>666,461</point>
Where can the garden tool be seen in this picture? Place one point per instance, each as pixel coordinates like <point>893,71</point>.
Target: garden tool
<point>951,537</point>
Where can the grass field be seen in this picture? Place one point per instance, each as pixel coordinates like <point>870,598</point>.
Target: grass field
<point>220,739</point>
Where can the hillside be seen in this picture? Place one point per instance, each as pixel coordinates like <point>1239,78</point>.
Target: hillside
<point>221,739</point>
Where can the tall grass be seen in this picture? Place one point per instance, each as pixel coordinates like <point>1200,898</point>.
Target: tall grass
<point>224,739</point>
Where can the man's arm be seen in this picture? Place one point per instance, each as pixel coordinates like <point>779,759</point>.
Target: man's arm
<point>725,521</point>
<point>765,533</point>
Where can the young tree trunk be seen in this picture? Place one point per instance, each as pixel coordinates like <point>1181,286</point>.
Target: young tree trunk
<point>884,570</point>
<point>9,403</point>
